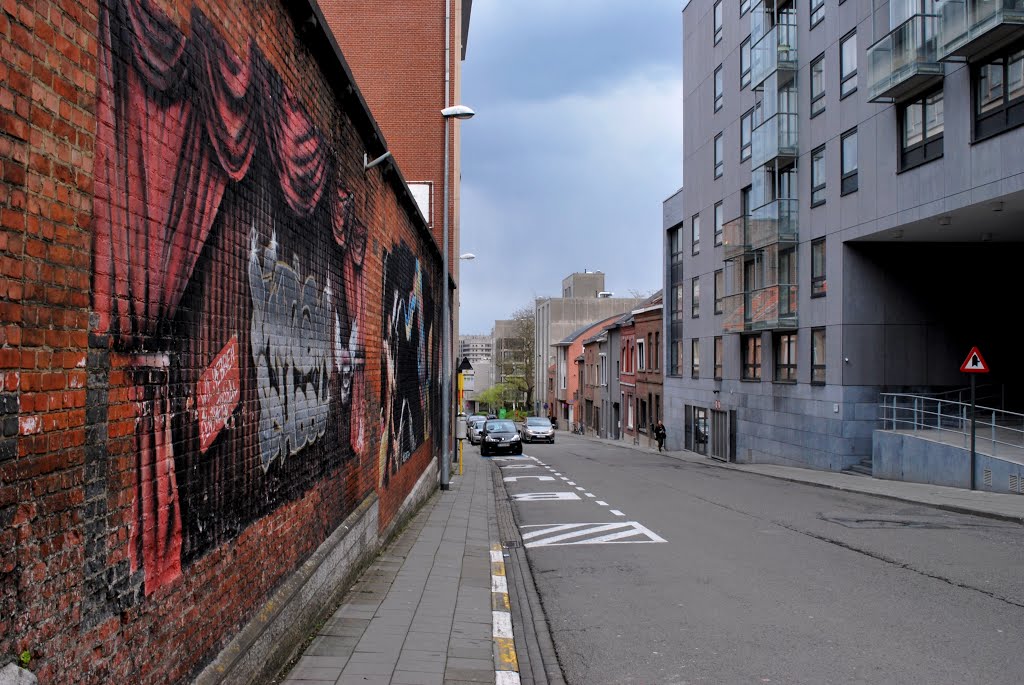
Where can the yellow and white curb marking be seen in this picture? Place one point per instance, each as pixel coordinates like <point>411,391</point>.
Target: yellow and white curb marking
<point>506,665</point>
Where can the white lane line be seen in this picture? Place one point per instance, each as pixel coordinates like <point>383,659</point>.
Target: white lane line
<point>617,512</point>
<point>570,483</point>
<point>496,555</point>
<point>563,478</point>
<point>580,488</point>
<point>588,494</point>
<point>544,496</point>
<point>499,584</point>
<point>502,623</point>
<point>513,479</point>
<point>603,504</point>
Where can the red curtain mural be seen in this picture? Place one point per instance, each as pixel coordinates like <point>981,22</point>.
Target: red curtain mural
<point>180,118</point>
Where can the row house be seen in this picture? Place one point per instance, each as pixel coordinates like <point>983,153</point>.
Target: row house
<point>647,330</point>
<point>567,403</point>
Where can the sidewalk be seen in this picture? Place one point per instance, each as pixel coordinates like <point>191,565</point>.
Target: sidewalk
<point>989,504</point>
<point>426,612</point>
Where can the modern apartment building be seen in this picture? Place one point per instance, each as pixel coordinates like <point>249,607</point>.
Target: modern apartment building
<point>476,348</point>
<point>584,299</point>
<point>850,218</point>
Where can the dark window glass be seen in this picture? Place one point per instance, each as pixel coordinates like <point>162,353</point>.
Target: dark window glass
<point>817,12</point>
<point>848,64</point>
<point>818,176</point>
<point>999,94</point>
<point>750,345</point>
<point>719,156</point>
<point>695,297</point>
<point>719,88</point>
<point>745,63</point>
<point>718,21</point>
<point>719,221</point>
<point>921,130</point>
<point>746,129</point>
<point>818,355</point>
<point>848,161</point>
<point>785,357</point>
<point>695,234</point>
<point>818,85</point>
<point>695,358</point>
<point>719,290</point>
<point>718,358</point>
<point>744,7</point>
<point>818,284</point>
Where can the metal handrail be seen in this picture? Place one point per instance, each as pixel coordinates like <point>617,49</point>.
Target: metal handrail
<point>918,413</point>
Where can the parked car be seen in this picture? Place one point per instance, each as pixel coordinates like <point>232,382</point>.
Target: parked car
<point>500,436</point>
<point>537,429</point>
<point>474,425</point>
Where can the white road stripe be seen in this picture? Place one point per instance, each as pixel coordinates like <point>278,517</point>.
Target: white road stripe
<point>617,512</point>
<point>575,533</point>
<point>626,532</point>
<point>603,504</point>
<point>506,678</point>
<point>580,488</point>
<point>588,494</point>
<point>496,555</point>
<point>499,584</point>
<point>502,621</point>
<point>570,483</point>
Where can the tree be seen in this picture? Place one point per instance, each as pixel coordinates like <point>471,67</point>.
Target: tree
<point>518,365</point>
<point>493,396</point>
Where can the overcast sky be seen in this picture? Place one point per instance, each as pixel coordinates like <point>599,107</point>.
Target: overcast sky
<point>577,139</point>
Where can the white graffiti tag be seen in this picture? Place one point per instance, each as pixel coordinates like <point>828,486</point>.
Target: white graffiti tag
<point>291,345</point>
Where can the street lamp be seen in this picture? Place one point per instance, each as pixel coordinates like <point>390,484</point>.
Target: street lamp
<point>468,256</point>
<point>453,112</point>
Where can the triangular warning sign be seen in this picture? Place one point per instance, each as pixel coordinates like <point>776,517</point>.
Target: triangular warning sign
<point>974,363</point>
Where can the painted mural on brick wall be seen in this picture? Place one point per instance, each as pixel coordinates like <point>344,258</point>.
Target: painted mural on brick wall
<point>228,275</point>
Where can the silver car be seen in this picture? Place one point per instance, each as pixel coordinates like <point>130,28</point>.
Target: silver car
<point>474,425</point>
<point>537,429</point>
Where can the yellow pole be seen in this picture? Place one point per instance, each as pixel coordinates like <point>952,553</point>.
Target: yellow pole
<point>461,411</point>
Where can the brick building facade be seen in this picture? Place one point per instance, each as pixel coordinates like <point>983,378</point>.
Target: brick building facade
<point>206,378</point>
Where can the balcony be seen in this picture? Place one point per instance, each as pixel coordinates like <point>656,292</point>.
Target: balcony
<point>775,138</point>
<point>763,309</point>
<point>770,308</point>
<point>973,28</point>
<point>905,62</point>
<point>775,51</point>
<point>734,237</point>
<point>775,222</point>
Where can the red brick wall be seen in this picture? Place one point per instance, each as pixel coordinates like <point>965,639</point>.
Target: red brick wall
<point>201,373</point>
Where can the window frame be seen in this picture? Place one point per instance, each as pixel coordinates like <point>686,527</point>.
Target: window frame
<point>817,12</point>
<point>744,7</point>
<point>719,214</point>
<point>718,22</point>
<point>695,358</point>
<point>845,78</point>
<point>819,283</point>
<point>930,147</point>
<point>719,87</point>
<point>695,234</point>
<point>818,362</point>
<point>1010,111</point>
<point>747,145</point>
<point>719,289</point>
<point>719,346</point>
<point>786,354</point>
<point>820,96</point>
<point>641,358</point>
<point>848,180</point>
<point>745,70</point>
<point>818,189</point>
<point>695,297</point>
<point>719,156</point>
<point>750,365</point>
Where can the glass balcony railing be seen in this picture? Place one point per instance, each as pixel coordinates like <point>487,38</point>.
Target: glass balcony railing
<point>733,313</point>
<point>734,237</point>
<point>968,28</point>
<point>775,137</point>
<point>776,50</point>
<point>771,307</point>
<point>905,61</point>
<point>775,222</point>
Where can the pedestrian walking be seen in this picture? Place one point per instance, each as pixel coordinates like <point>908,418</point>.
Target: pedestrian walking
<point>659,435</point>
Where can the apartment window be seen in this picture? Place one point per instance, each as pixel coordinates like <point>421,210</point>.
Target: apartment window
<point>818,356</point>
<point>719,156</point>
<point>695,358</point>
<point>695,297</point>
<point>848,162</point>
<point>818,284</point>
<point>719,290</point>
<point>785,357</point>
<point>818,85</point>
<point>745,63</point>
<point>695,234</point>
<point>746,133</point>
<point>656,356</point>
<point>817,12</point>
<point>921,130</point>
<point>719,88</point>
<point>719,222</point>
<point>641,360</point>
<point>650,348</point>
<point>751,347</point>
<point>999,94</point>
<point>848,64</point>
<point>718,357</point>
<point>744,7</point>
<point>718,21</point>
<point>677,303</point>
<point>818,176</point>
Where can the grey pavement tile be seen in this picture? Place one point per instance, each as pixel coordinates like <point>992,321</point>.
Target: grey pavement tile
<point>368,668</point>
<point>307,673</point>
<point>470,675</point>
<point>364,679</point>
<point>471,652</point>
<point>427,641</point>
<point>473,664</point>
<point>390,656</point>
<point>328,645</point>
<point>323,661</point>
<point>421,665</point>
<point>417,678</point>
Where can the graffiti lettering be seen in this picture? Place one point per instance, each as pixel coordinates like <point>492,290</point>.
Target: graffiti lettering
<point>217,393</point>
<point>291,345</point>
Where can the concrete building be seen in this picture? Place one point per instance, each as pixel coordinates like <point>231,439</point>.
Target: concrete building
<point>567,403</point>
<point>584,299</point>
<point>856,169</point>
<point>476,348</point>
<point>509,362</point>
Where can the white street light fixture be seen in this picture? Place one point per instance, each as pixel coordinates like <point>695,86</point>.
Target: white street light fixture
<point>467,256</point>
<point>457,112</point>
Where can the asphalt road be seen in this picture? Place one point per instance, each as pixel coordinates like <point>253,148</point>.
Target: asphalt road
<point>668,572</point>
